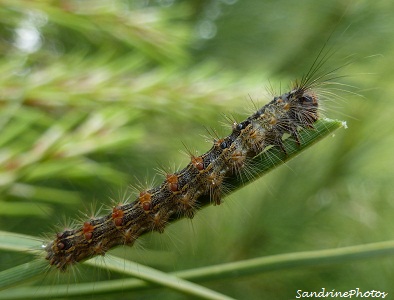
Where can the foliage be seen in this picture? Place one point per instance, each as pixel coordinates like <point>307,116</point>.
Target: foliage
<point>93,94</point>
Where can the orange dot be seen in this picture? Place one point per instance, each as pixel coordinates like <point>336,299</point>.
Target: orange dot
<point>172,182</point>
<point>145,201</point>
<point>88,230</point>
<point>198,162</point>
<point>117,216</point>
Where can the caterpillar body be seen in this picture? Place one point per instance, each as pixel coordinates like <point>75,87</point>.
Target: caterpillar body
<point>206,175</point>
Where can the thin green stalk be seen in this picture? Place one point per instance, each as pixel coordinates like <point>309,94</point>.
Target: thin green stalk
<point>223,271</point>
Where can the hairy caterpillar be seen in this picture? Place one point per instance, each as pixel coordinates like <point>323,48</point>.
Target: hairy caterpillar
<point>205,177</point>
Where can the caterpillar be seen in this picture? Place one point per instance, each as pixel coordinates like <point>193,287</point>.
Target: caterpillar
<point>206,176</point>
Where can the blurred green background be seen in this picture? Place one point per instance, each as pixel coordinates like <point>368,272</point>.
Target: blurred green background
<point>97,94</point>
